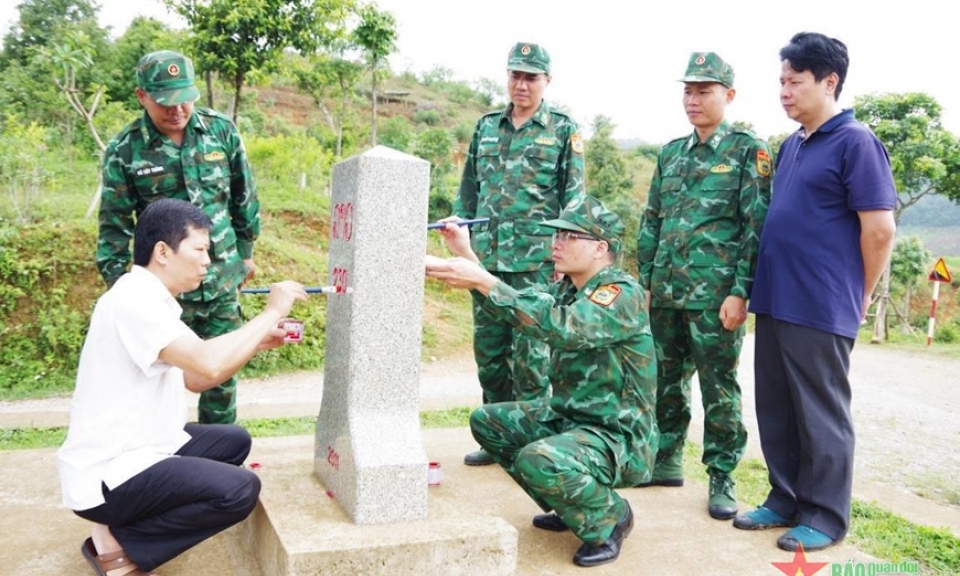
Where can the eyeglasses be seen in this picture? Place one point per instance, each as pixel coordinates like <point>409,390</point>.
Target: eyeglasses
<point>565,236</point>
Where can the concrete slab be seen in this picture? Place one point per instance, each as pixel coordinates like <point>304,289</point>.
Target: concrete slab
<point>299,528</point>
<point>673,534</point>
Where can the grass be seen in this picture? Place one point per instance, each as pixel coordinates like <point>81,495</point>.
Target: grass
<point>31,438</point>
<point>873,530</point>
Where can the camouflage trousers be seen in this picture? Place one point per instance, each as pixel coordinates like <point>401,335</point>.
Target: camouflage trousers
<point>688,340</point>
<point>510,365</point>
<point>563,466</point>
<point>209,319</point>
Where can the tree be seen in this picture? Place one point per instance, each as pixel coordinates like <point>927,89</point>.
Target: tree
<point>237,38</point>
<point>907,267</point>
<point>330,76</point>
<point>924,156</point>
<point>376,35</point>
<point>41,22</point>
<point>925,159</point>
<point>606,170</point>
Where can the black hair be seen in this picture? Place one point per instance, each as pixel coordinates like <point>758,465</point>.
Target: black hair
<point>819,54</point>
<point>169,221</point>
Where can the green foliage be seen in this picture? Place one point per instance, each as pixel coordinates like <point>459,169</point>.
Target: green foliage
<point>886,535</point>
<point>237,38</point>
<point>31,438</point>
<point>42,22</point>
<point>23,165</point>
<point>42,326</point>
<point>397,133</point>
<point>270,427</point>
<point>648,151</point>
<point>606,174</point>
<point>908,264</point>
<point>428,116</point>
<point>924,156</point>
<point>947,333</point>
<point>280,162</point>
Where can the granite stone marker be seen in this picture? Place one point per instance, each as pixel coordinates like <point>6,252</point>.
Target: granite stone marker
<point>368,449</point>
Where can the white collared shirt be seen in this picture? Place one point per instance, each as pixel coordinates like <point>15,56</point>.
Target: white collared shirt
<point>129,408</point>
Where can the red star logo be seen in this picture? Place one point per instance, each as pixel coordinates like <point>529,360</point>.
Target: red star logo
<point>799,566</point>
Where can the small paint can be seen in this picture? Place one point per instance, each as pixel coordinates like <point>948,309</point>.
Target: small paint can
<point>433,474</point>
<point>294,330</point>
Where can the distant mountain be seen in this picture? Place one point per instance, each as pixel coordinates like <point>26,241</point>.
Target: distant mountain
<point>936,221</point>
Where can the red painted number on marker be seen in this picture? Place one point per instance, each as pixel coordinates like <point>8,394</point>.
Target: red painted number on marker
<point>342,227</point>
<point>340,280</point>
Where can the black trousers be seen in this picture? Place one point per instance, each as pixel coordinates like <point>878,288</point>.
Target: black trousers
<point>179,502</point>
<point>806,428</point>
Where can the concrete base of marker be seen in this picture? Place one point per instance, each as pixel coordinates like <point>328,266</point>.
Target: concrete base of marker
<point>298,529</point>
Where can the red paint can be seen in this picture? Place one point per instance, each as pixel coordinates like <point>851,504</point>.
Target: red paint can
<point>433,474</point>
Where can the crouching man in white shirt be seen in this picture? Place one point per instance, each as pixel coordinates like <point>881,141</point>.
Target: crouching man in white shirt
<point>153,485</point>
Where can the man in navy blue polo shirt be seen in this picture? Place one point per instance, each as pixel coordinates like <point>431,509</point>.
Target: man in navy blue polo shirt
<point>827,238</point>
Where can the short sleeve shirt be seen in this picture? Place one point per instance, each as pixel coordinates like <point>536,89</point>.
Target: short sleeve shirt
<point>128,409</point>
<point>810,266</point>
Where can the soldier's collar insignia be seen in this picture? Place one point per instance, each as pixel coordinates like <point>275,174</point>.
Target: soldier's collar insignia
<point>606,295</point>
<point>214,156</point>
<point>545,141</point>
<point>722,169</point>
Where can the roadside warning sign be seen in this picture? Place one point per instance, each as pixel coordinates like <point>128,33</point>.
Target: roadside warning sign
<point>940,272</point>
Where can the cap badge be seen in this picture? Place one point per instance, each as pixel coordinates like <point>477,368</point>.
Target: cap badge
<point>700,60</point>
<point>525,50</point>
<point>173,70</point>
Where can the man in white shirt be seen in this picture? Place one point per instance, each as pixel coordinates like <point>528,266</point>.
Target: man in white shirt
<point>154,485</point>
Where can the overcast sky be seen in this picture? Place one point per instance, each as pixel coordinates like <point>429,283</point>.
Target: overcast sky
<point>622,59</point>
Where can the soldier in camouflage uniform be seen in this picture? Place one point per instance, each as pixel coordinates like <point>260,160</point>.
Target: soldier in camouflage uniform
<point>525,163</point>
<point>597,431</point>
<point>177,151</point>
<point>697,250</point>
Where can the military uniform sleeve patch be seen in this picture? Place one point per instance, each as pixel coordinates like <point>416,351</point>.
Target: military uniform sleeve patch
<point>763,163</point>
<point>606,294</point>
<point>576,143</point>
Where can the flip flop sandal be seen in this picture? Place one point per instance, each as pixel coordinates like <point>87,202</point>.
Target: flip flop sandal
<point>103,563</point>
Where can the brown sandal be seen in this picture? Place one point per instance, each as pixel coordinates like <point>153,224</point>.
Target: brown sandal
<point>103,563</point>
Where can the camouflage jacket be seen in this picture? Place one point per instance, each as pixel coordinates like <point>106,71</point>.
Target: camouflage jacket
<point>603,365</point>
<point>519,178</point>
<point>700,231</point>
<point>209,169</point>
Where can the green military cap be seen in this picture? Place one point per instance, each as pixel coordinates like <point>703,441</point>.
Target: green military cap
<point>591,217</point>
<point>708,67</point>
<point>167,76</point>
<point>527,57</point>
